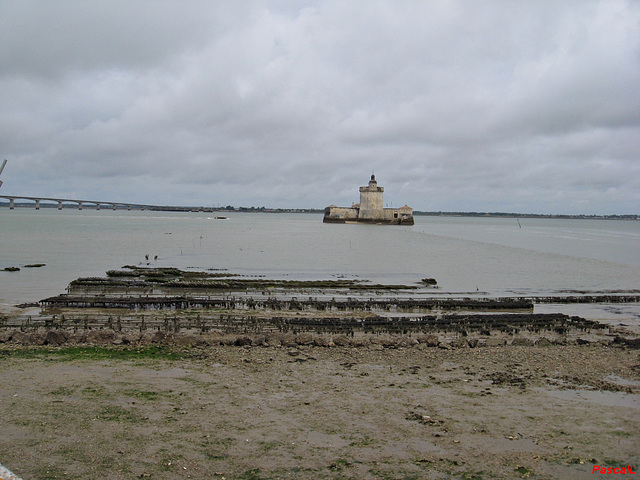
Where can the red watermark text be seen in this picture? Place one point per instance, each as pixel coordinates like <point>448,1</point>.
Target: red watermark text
<point>628,470</point>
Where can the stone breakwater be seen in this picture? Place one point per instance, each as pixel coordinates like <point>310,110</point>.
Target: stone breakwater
<point>108,337</point>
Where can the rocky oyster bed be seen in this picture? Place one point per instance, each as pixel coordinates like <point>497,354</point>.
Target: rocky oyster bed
<point>212,307</point>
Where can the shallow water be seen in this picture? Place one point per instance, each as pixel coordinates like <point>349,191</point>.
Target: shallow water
<point>467,255</point>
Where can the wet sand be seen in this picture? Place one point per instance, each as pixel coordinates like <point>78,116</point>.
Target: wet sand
<point>312,412</point>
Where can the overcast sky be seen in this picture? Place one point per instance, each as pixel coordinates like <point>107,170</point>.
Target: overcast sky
<point>518,106</point>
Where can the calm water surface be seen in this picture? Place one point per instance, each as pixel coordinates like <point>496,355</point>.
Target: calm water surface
<point>489,256</point>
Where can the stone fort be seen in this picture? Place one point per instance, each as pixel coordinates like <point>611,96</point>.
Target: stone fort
<point>370,209</point>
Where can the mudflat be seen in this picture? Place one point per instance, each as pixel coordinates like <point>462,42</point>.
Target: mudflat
<point>314,412</point>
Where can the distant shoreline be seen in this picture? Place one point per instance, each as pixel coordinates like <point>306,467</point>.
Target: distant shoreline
<point>527,215</point>
<point>230,209</point>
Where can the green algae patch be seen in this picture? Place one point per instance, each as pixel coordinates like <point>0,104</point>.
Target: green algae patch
<point>94,353</point>
<point>169,277</point>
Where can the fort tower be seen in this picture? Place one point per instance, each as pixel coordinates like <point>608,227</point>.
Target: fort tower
<point>371,206</point>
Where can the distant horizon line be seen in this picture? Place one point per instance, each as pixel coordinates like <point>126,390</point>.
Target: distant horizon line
<point>231,208</point>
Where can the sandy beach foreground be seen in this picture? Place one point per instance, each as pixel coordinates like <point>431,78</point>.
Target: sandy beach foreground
<point>309,412</point>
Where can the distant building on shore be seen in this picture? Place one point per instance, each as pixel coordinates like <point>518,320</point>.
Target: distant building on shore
<point>369,210</point>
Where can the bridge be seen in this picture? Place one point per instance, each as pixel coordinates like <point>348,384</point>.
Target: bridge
<point>60,201</point>
<point>80,203</point>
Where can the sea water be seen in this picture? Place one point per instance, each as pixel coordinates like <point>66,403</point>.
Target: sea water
<point>484,256</point>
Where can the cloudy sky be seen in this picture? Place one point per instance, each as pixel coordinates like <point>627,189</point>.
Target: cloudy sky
<point>518,106</point>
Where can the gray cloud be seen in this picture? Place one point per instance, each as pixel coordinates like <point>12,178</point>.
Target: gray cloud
<point>511,106</point>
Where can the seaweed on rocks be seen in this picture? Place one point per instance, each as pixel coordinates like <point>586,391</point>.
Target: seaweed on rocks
<point>173,278</point>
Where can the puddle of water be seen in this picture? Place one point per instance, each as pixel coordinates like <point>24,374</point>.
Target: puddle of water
<point>611,399</point>
<point>622,381</point>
